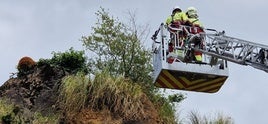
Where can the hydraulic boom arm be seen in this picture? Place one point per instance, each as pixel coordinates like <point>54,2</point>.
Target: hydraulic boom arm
<point>236,50</point>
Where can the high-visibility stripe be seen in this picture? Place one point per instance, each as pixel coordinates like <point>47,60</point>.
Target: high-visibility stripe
<point>211,82</point>
<point>165,82</point>
<point>185,85</point>
<point>213,90</point>
<point>192,82</point>
<point>205,81</point>
<point>197,81</point>
<point>159,83</point>
<point>173,80</point>
<point>209,87</point>
<point>183,79</point>
<point>180,82</point>
<point>167,73</point>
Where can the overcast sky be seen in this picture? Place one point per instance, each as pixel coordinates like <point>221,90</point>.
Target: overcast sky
<point>36,28</point>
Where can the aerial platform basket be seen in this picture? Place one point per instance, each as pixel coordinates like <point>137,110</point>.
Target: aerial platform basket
<point>190,77</point>
<point>208,76</point>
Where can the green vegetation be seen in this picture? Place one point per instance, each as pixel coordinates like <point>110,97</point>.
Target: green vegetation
<point>166,109</point>
<point>5,108</point>
<point>72,61</point>
<point>166,106</point>
<point>104,92</point>
<point>11,114</point>
<point>119,95</point>
<point>74,92</point>
<point>40,119</point>
<point>118,49</point>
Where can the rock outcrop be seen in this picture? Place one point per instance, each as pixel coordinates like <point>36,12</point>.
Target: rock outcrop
<point>38,90</point>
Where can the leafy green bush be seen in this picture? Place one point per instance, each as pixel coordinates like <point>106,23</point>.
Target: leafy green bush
<point>176,97</point>
<point>166,107</point>
<point>72,61</point>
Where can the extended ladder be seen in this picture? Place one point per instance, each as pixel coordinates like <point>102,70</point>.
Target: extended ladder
<point>236,50</point>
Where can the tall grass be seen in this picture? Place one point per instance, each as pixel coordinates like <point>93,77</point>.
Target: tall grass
<point>116,94</point>
<point>195,118</point>
<point>74,92</point>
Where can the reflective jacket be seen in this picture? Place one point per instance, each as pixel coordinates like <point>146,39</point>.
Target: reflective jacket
<point>197,26</point>
<point>195,22</point>
<point>177,17</point>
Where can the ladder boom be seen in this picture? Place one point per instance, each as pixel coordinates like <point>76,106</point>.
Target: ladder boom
<point>236,50</point>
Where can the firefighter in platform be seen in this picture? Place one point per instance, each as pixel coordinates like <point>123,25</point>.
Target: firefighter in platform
<point>196,28</point>
<point>193,17</point>
<point>177,18</point>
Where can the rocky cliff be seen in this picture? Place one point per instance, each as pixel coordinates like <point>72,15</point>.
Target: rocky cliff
<point>38,92</point>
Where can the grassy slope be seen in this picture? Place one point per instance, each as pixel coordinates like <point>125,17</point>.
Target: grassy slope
<point>122,99</point>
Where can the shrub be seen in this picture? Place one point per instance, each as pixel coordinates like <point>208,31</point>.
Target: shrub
<point>72,61</point>
<point>25,65</point>
<point>166,109</point>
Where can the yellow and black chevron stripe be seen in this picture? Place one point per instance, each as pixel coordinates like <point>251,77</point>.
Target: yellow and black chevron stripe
<point>190,81</point>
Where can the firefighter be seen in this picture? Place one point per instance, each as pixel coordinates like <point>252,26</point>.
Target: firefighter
<point>193,17</point>
<point>177,17</point>
<point>197,27</point>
